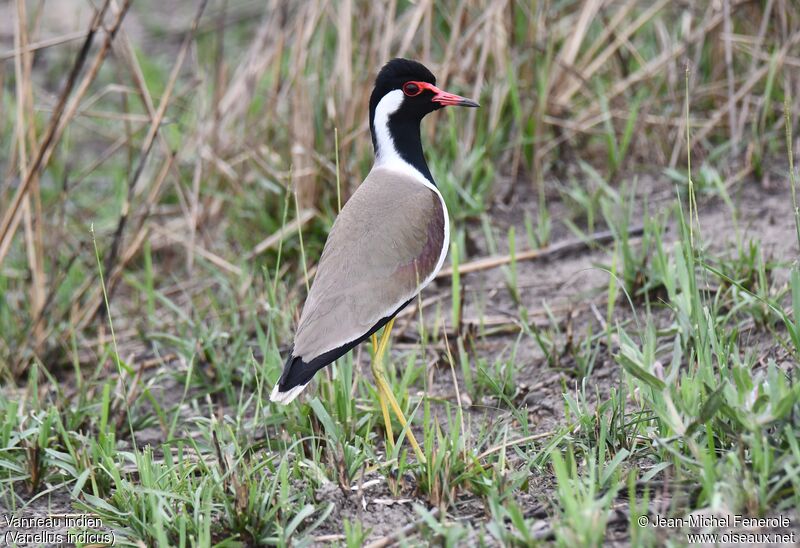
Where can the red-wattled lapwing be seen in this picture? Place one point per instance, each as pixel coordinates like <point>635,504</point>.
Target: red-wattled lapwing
<point>387,243</point>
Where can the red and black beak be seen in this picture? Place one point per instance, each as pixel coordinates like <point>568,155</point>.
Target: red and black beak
<point>445,98</point>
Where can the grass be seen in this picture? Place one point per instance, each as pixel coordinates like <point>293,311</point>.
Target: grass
<point>162,210</point>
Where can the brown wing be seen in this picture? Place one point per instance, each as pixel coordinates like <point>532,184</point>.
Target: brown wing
<point>383,245</point>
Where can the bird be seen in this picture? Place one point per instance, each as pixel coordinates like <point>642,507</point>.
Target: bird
<point>387,243</point>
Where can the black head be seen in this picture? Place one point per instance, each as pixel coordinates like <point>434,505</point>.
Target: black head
<point>418,85</point>
<point>405,91</point>
<point>393,76</point>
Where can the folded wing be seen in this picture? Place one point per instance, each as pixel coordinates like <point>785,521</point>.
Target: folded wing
<point>383,248</point>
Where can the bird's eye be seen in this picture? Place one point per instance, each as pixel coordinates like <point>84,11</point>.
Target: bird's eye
<point>411,89</point>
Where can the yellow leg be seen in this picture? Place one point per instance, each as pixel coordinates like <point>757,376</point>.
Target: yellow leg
<point>385,391</point>
<point>387,420</point>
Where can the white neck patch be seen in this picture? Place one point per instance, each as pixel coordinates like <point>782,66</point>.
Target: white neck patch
<point>388,105</point>
<point>386,155</point>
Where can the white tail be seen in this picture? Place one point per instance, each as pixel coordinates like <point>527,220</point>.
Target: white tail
<point>286,397</point>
